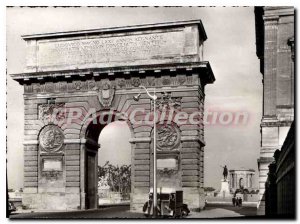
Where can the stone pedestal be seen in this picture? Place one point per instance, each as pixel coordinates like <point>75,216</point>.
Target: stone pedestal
<point>224,192</point>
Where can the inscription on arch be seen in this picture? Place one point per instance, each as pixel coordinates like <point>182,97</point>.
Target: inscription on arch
<point>109,50</point>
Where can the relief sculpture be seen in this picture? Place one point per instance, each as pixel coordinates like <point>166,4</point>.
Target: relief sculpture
<point>49,112</point>
<point>166,102</point>
<point>51,138</point>
<point>106,94</point>
<point>168,137</point>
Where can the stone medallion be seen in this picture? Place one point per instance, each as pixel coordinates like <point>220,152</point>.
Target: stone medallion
<point>168,137</point>
<point>51,138</point>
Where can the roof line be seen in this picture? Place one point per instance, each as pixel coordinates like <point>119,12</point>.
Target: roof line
<point>118,29</point>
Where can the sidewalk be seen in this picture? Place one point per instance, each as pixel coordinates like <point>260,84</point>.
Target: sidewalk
<point>246,203</point>
<point>225,211</point>
<point>22,211</point>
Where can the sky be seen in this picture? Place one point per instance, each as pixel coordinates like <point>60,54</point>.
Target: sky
<point>230,49</point>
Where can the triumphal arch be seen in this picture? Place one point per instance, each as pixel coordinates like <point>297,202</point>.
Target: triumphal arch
<point>75,81</point>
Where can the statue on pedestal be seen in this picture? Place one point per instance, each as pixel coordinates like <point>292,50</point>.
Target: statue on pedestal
<point>225,172</point>
<point>225,191</point>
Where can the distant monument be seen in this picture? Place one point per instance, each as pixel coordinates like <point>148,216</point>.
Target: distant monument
<point>105,193</point>
<point>225,172</point>
<point>236,181</point>
<point>224,192</point>
<point>103,190</point>
<point>241,179</point>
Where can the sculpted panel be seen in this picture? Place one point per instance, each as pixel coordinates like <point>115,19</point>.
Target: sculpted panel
<point>119,83</point>
<point>106,94</point>
<point>166,102</point>
<point>48,111</point>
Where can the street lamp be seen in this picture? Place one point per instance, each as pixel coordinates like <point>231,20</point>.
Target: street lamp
<point>153,97</point>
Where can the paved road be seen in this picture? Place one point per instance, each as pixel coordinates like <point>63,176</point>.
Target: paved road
<point>225,211</point>
<point>212,211</point>
<point>102,213</point>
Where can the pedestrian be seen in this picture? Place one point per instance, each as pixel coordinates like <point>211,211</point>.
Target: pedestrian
<point>233,201</point>
<point>241,201</point>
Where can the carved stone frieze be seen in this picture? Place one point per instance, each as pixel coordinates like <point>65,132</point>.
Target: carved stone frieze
<point>166,81</point>
<point>94,85</point>
<point>150,81</point>
<point>136,82</point>
<point>77,85</point>
<point>121,83</point>
<point>49,87</point>
<point>181,80</point>
<point>63,87</point>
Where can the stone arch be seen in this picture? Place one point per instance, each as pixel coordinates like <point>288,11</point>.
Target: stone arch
<point>107,80</point>
<point>86,122</point>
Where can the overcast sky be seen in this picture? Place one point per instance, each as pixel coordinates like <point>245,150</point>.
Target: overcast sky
<point>230,49</point>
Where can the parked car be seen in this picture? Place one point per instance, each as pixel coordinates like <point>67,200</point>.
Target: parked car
<point>169,203</point>
<point>11,207</point>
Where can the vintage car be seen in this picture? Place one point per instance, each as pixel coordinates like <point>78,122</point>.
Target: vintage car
<point>11,207</point>
<point>169,203</point>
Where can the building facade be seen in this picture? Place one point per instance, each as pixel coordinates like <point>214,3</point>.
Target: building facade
<point>281,183</point>
<point>275,50</point>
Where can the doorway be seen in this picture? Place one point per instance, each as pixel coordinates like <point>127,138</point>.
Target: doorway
<point>107,164</point>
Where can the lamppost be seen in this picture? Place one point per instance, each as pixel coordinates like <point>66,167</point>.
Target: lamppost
<point>153,97</point>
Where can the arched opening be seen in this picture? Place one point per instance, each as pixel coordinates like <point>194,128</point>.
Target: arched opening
<point>107,162</point>
<point>114,164</point>
<point>241,183</point>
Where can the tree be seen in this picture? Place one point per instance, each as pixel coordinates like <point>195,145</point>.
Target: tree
<point>209,189</point>
<point>118,177</point>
